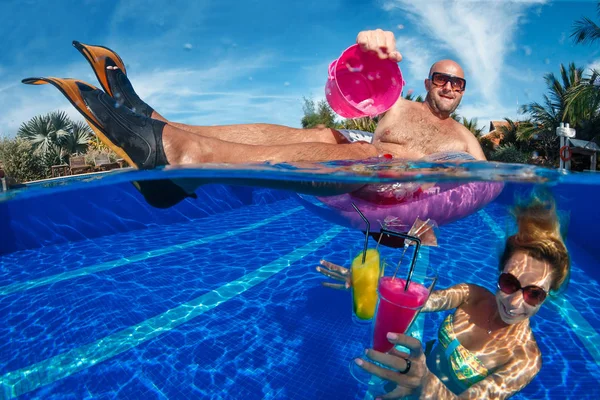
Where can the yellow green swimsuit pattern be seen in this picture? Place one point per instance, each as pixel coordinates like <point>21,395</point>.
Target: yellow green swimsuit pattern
<point>467,368</point>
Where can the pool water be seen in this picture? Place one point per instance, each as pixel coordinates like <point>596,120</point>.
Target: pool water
<point>104,297</point>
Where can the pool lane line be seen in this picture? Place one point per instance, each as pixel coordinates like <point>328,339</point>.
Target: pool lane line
<point>16,383</point>
<point>105,266</point>
<point>579,325</point>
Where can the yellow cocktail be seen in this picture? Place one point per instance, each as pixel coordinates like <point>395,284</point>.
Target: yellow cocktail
<point>364,284</point>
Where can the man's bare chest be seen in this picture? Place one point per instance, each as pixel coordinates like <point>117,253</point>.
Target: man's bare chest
<point>422,135</point>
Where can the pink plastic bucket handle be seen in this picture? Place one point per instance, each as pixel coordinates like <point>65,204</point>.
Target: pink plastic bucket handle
<point>331,76</point>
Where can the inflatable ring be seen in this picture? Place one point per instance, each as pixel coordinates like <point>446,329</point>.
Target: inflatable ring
<point>398,205</point>
<point>569,153</point>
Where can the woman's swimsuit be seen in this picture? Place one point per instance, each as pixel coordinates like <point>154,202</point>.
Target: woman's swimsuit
<point>467,368</point>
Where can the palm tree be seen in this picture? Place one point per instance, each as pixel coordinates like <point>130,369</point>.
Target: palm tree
<point>471,125</point>
<point>556,108</point>
<point>585,30</point>
<point>411,96</point>
<point>560,104</point>
<point>43,131</point>
<point>78,139</point>
<point>55,137</point>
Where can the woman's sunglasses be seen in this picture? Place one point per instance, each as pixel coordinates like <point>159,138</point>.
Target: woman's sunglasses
<point>532,294</point>
<point>440,79</point>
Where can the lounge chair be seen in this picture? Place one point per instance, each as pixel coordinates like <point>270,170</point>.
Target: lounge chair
<point>77,165</point>
<point>103,163</point>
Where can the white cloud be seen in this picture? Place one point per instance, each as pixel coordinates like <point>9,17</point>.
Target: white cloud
<point>594,65</point>
<point>205,96</point>
<point>527,50</point>
<point>471,31</point>
<point>417,57</point>
<point>563,37</point>
<point>20,102</point>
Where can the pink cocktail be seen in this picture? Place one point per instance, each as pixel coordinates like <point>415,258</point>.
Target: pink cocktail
<point>398,306</point>
<point>397,309</point>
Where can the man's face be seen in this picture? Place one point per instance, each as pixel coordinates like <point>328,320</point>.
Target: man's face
<point>443,97</point>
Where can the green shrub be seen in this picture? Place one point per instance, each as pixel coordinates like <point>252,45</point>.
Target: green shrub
<point>509,154</point>
<point>20,161</point>
<point>487,146</point>
<point>365,124</point>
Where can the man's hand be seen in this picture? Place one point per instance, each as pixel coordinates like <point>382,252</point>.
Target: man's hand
<point>336,272</point>
<point>381,42</point>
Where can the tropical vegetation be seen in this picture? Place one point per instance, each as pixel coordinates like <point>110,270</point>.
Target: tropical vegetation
<point>45,141</point>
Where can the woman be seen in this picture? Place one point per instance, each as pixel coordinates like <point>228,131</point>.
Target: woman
<point>486,348</point>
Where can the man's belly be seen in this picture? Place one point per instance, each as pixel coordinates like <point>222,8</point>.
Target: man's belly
<point>399,151</point>
<point>406,151</point>
<point>414,151</point>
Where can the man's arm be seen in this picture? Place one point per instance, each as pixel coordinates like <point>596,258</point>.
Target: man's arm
<point>473,146</point>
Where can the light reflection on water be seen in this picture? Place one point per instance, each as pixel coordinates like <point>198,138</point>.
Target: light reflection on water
<point>365,171</point>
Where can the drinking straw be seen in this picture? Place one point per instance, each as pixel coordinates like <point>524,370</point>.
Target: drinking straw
<point>415,239</point>
<point>406,246</point>
<point>364,257</point>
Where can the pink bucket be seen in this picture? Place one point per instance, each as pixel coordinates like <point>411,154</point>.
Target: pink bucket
<point>361,84</point>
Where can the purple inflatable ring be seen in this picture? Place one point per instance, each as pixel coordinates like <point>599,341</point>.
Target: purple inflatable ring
<point>400,204</point>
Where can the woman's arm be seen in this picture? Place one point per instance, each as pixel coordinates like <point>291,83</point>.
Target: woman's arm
<point>447,299</point>
<point>503,383</point>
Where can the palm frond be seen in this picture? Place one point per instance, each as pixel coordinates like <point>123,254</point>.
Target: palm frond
<point>585,31</point>
<point>77,139</point>
<point>39,132</point>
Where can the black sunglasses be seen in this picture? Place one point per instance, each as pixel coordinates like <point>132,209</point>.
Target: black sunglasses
<point>440,79</point>
<point>532,294</point>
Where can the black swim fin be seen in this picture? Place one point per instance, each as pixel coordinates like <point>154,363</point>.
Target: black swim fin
<point>135,138</point>
<point>113,81</point>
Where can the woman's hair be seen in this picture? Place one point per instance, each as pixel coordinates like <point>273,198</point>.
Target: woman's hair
<point>539,236</point>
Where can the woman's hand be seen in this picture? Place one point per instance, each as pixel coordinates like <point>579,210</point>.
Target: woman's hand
<point>413,366</point>
<point>336,272</point>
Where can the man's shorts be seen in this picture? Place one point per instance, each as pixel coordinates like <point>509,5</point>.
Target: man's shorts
<point>354,135</point>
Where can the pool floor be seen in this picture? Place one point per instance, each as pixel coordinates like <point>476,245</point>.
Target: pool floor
<point>230,306</point>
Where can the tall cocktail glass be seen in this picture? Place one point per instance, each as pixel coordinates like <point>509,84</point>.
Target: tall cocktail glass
<point>398,306</point>
<point>365,272</point>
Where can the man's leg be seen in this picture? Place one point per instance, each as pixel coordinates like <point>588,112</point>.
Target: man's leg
<point>183,147</point>
<point>256,134</point>
<point>264,134</point>
<point>110,71</point>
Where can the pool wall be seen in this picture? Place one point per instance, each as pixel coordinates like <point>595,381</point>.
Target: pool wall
<point>74,215</point>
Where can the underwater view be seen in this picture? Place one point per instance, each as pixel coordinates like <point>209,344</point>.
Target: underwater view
<point>388,199</point>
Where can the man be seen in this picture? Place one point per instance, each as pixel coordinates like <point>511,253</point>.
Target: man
<point>146,140</point>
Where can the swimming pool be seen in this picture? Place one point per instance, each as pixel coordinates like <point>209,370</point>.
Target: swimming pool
<point>102,296</point>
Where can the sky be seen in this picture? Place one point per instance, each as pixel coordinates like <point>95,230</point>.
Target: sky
<point>222,62</point>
